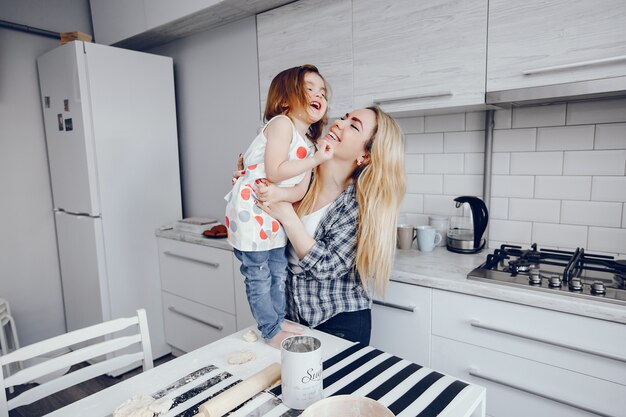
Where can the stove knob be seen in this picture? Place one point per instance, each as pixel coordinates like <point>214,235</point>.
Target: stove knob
<point>534,278</point>
<point>597,288</point>
<point>576,284</point>
<point>554,281</point>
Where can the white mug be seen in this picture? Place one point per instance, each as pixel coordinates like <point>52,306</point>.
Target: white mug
<point>427,238</point>
<point>301,371</point>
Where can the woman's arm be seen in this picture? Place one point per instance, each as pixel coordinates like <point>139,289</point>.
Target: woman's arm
<point>333,255</point>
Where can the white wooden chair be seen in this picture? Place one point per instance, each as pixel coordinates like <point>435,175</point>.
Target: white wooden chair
<point>6,319</point>
<point>98,347</point>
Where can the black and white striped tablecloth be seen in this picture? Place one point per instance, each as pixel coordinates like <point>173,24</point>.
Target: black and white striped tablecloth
<point>407,389</point>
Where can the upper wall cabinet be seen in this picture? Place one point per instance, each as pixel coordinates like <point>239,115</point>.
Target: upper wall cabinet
<point>412,55</point>
<point>142,24</point>
<point>314,32</point>
<point>536,43</point>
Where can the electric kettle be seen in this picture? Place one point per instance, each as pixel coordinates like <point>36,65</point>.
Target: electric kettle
<point>465,233</point>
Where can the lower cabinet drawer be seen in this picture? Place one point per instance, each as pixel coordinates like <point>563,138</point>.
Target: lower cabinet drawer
<point>190,325</point>
<point>519,387</point>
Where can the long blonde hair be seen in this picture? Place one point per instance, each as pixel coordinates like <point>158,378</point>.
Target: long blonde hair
<point>380,186</point>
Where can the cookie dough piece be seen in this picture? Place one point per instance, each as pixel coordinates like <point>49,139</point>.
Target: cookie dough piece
<point>161,406</point>
<point>237,358</point>
<point>133,407</point>
<point>250,336</point>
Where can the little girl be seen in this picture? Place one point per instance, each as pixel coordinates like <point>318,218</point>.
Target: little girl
<point>284,154</point>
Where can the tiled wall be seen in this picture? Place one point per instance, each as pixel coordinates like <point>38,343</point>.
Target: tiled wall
<point>559,172</point>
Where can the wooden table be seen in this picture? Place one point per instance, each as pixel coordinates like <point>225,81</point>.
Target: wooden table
<point>351,365</point>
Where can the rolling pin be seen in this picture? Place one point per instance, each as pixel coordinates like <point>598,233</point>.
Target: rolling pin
<point>240,393</point>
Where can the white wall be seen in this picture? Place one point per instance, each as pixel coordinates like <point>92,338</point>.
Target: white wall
<point>29,269</point>
<point>559,172</point>
<point>217,100</point>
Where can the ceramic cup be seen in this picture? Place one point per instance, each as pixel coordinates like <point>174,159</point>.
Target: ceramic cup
<point>441,223</point>
<point>406,236</point>
<point>427,238</point>
<point>301,371</point>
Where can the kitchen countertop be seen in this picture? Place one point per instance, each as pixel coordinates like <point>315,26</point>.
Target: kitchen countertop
<point>448,271</point>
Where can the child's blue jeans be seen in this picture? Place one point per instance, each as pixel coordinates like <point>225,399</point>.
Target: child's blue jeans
<point>265,274</point>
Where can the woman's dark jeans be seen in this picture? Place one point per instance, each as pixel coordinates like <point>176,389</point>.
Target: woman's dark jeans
<point>355,326</point>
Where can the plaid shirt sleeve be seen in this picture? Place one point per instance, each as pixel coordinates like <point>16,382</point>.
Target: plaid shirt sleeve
<point>334,252</point>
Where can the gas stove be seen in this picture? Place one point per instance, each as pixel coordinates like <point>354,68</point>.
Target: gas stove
<point>576,274</point>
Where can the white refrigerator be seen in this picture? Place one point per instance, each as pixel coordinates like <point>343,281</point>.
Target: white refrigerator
<point>110,123</point>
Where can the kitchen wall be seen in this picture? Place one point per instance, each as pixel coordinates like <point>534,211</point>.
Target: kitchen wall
<point>217,100</point>
<point>29,268</point>
<point>559,172</point>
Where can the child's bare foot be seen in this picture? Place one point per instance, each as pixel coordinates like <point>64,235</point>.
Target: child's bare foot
<point>291,327</point>
<point>278,339</point>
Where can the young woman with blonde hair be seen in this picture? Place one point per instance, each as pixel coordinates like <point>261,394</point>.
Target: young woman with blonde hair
<point>342,234</point>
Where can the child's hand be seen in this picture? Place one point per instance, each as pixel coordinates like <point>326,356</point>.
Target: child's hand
<point>266,192</point>
<point>325,151</point>
<point>240,171</point>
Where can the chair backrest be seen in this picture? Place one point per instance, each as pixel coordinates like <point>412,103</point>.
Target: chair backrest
<point>114,348</point>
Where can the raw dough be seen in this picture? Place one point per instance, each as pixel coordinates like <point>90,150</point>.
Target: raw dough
<point>250,336</point>
<point>237,358</point>
<point>142,406</point>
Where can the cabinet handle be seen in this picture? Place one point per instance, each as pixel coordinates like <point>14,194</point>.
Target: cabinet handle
<point>575,65</point>
<point>475,373</point>
<point>412,97</point>
<point>218,327</point>
<point>478,324</point>
<point>410,309</point>
<point>189,258</point>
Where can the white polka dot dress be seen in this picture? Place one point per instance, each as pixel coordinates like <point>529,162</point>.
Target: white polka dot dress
<point>249,228</point>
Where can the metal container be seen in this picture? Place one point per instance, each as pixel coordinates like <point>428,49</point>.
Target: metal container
<point>301,371</point>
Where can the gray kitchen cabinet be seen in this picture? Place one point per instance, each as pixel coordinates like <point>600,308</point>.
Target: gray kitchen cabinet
<point>314,32</point>
<point>114,20</point>
<point>202,298</point>
<point>401,322</point>
<point>412,55</point>
<point>537,43</point>
<point>533,361</point>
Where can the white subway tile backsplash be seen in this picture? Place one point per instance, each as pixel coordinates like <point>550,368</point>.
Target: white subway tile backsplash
<point>591,213</point>
<point>445,123</point>
<point>558,172</point>
<point>474,163</point>
<point>424,184</point>
<point>507,230</point>
<point>512,186</point>
<point>547,211</point>
<point>600,111</point>
<point>414,163</point>
<point>440,204</point>
<point>499,208</point>
<point>463,184</point>
<point>536,163</point>
<point>594,162</point>
<point>502,119</point>
<point>501,163</point>
<point>412,203</point>
<point>565,138</point>
<point>464,141</point>
<point>424,143</point>
<point>611,136</point>
<point>475,121</point>
<point>444,163</point>
<point>608,189</point>
<point>607,239</point>
<point>536,116</point>
<point>514,140</point>
<point>563,188</point>
<point>560,235</point>
<point>411,124</point>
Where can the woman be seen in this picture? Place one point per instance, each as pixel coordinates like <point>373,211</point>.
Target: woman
<point>342,234</point>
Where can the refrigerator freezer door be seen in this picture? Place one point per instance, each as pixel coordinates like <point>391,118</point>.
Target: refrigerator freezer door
<point>83,271</point>
<point>67,121</point>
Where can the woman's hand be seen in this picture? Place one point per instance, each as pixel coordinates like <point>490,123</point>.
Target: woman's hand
<point>281,211</point>
<point>268,193</point>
